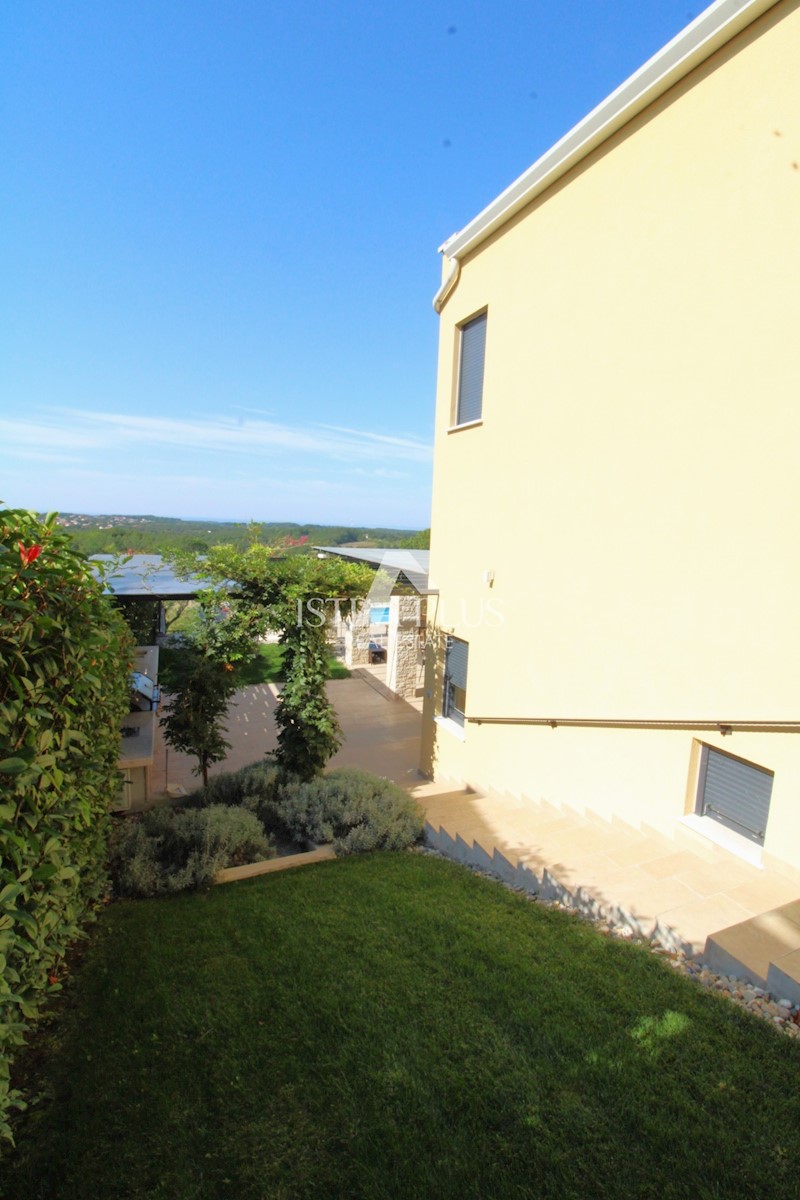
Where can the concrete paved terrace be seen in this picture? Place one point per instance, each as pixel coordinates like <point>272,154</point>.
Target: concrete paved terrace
<point>684,888</point>
<point>381,735</point>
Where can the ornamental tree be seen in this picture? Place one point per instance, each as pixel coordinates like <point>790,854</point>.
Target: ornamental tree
<point>202,679</point>
<point>194,718</point>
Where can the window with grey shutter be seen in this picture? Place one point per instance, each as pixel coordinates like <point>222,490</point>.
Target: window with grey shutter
<point>455,680</point>
<point>735,793</point>
<point>470,371</point>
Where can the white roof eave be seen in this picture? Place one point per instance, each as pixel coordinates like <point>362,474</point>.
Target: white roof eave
<point>692,46</point>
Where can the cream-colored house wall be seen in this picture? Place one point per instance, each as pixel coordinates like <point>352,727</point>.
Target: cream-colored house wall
<point>646,777</point>
<point>634,483</point>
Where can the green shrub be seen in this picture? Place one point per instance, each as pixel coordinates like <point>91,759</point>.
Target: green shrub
<point>224,789</point>
<point>245,788</point>
<point>350,809</point>
<point>308,811</point>
<point>64,664</point>
<point>253,787</point>
<point>169,850</point>
<point>353,810</point>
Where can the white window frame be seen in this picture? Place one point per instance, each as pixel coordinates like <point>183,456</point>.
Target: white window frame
<point>450,712</point>
<point>474,418</point>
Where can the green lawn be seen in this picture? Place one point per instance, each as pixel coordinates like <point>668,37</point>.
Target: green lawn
<point>265,667</point>
<point>395,1026</point>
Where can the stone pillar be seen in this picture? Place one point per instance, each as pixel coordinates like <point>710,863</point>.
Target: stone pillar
<point>356,637</point>
<point>402,655</point>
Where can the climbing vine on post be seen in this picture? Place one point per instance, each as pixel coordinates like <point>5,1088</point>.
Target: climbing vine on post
<point>309,732</point>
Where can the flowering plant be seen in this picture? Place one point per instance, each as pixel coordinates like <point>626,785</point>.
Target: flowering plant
<point>29,554</point>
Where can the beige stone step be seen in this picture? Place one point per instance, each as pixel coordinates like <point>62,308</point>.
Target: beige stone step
<point>454,811</point>
<point>783,977</point>
<point>763,948</point>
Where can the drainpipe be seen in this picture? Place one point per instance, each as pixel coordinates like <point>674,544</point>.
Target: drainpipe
<point>447,287</point>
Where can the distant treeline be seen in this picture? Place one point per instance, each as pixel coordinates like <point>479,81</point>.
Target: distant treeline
<point>159,535</point>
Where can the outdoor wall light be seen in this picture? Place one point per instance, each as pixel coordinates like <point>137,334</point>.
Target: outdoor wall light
<point>488,577</point>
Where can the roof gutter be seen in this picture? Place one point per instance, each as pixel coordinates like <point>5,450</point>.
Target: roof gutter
<point>692,46</point>
<point>444,291</point>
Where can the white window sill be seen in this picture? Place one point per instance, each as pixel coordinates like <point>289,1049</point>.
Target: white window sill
<point>466,425</point>
<point>720,835</point>
<point>452,727</point>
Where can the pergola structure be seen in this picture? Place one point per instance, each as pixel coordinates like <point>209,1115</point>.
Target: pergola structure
<point>404,595</point>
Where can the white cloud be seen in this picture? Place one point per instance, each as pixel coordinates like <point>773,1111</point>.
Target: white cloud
<point>81,429</point>
<point>379,473</point>
<point>48,432</point>
<point>48,456</point>
<point>229,467</point>
<point>384,439</point>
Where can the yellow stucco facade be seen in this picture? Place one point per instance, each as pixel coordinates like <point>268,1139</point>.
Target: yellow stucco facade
<point>616,538</point>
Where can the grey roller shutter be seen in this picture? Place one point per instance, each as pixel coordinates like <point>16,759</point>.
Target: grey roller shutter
<point>470,375</point>
<point>456,662</point>
<point>737,794</point>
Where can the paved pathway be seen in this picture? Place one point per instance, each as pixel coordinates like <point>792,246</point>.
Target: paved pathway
<point>380,735</point>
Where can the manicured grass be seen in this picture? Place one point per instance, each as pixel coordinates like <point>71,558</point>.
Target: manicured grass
<point>396,1027</point>
<point>266,666</point>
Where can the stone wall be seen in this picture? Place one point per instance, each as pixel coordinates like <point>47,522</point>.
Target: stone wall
<point>356,637</point>
<point>403,657</point>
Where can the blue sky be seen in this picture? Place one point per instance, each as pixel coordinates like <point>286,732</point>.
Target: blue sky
<point>219,225</point>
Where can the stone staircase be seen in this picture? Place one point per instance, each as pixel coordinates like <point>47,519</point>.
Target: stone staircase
<point>764,950</point>
<point>678,889</point>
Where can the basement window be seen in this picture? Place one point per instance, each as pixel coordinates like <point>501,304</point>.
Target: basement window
<point>734,793</point>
